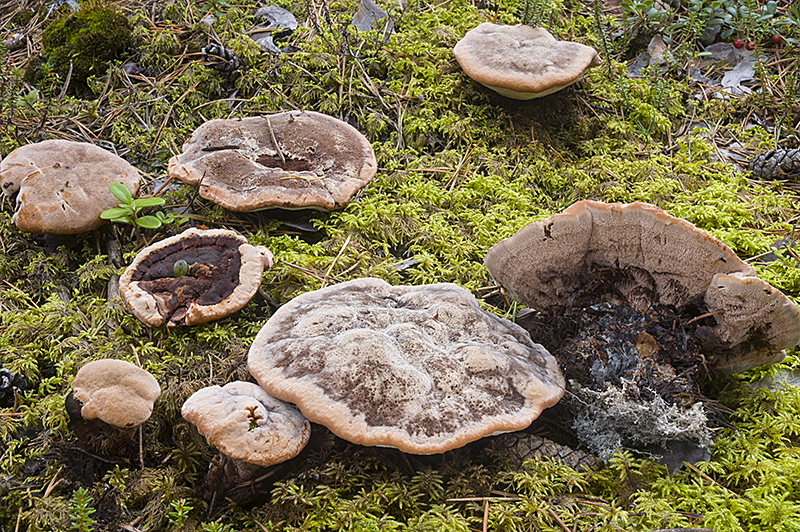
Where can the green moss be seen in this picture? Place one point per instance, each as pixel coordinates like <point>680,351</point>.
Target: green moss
<point>86,41</point>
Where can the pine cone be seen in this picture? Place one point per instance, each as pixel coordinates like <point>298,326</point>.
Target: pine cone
<point>776,164</point>
<point>521,446</point>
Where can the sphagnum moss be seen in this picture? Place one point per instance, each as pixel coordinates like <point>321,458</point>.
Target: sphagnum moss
<point>460,168</point>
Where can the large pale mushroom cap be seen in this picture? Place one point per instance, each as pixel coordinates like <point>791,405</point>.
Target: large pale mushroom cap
<point>223,273</point>
<point>522,62</point>
<point>653,258</point>
<point>419,368</point>
<point>237,165</point>
<point>116,392</point>
<point>63,185</point>
<point>245,423</point>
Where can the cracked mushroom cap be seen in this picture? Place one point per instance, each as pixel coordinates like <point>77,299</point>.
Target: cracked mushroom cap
<point>321,162</point>
<point>193,278</point>
<point>63,185</point>
<point>116,392</point>
<point>245,423</point>
<point>659,259</point>
<point>419,368</point>
<point>522,62</point>
<point>755,322</point>
<point>667,260</point>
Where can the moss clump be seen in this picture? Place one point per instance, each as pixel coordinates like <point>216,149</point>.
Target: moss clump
<point>89,39</point>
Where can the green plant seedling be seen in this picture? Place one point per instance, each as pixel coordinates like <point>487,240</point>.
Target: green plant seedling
<point>129,210</point>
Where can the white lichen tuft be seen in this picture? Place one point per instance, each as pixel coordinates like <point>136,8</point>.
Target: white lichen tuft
<point>611,419</point>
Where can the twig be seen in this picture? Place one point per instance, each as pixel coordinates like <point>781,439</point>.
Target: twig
<point>330,268</point>
<point>166,118</point>
<point>275,141</point>
<point>706,315</point>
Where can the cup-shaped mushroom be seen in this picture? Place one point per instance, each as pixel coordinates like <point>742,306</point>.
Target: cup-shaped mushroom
<point>194,277</point>
<point>522,62</point>
<point>419,368</point>
<point>639,254</point>
<point>63,185</point>
<point>290,160</point>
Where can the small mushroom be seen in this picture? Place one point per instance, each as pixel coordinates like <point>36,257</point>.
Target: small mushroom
<point>63,185</point>
<point>109,399</point>
<point>193,278</point>
<point>419,368</point>
<point>522,62</point>
<point>290,160</point>
<point>250,429</point>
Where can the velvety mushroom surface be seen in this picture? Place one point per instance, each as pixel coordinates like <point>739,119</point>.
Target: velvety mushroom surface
<point>419,368</point>
<point>289,160</point>
<point>245,423</point>
<point>522,62</point>
<point>63,185</point>
<point>116,392</point>
<point>193,278</point>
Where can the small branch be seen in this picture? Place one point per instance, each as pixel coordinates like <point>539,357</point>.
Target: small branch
<point>275,141</point>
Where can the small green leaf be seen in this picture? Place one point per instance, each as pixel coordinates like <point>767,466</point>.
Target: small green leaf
<point>141,203</point>
<point>148,222</point>
<point>121,192</point>
<point>116,212</point>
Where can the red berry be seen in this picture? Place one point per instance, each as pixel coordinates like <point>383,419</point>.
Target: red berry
<point>750,46</point>
<point>776,39</point>
<point>738,43</point>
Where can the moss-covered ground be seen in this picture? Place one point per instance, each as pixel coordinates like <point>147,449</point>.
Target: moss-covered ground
<point>459,168</point>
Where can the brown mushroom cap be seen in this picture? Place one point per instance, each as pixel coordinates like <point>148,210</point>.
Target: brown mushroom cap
<point>661,260</point>
<point>224,274</point>
<point>63,185</point>
<point>245,423</point>
<point>235,162</point>
<point>755,323</point>
<point>419,368</point>
<point>668,260</point>
<point>116,392</point>
<point>522,62</point>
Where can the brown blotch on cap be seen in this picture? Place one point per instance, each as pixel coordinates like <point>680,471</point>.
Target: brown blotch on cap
<point>63,186</point>
<point>522,62</point>
<point>755,322</point>
<point>419,368</point>
<point>222,273</point>
<point>245,423</point>
<point>656,259</point>
<point>319,162</point>
<point>116,392</point>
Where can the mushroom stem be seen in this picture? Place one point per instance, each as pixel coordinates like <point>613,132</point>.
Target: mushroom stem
<point>225,475</point>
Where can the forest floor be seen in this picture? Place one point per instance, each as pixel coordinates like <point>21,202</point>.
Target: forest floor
<point>673,122</point>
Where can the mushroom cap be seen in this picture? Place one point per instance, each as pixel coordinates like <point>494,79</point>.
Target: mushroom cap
<point>669,260</point>
<point>63,185</point>
<point>755,323</point>
<point>522,62</point>
<point>224,274</point>
<point>245,423</point>
<point>237,166</point>
<point>659,259</point>
<point>419,368</point>
<point>116,392</point>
